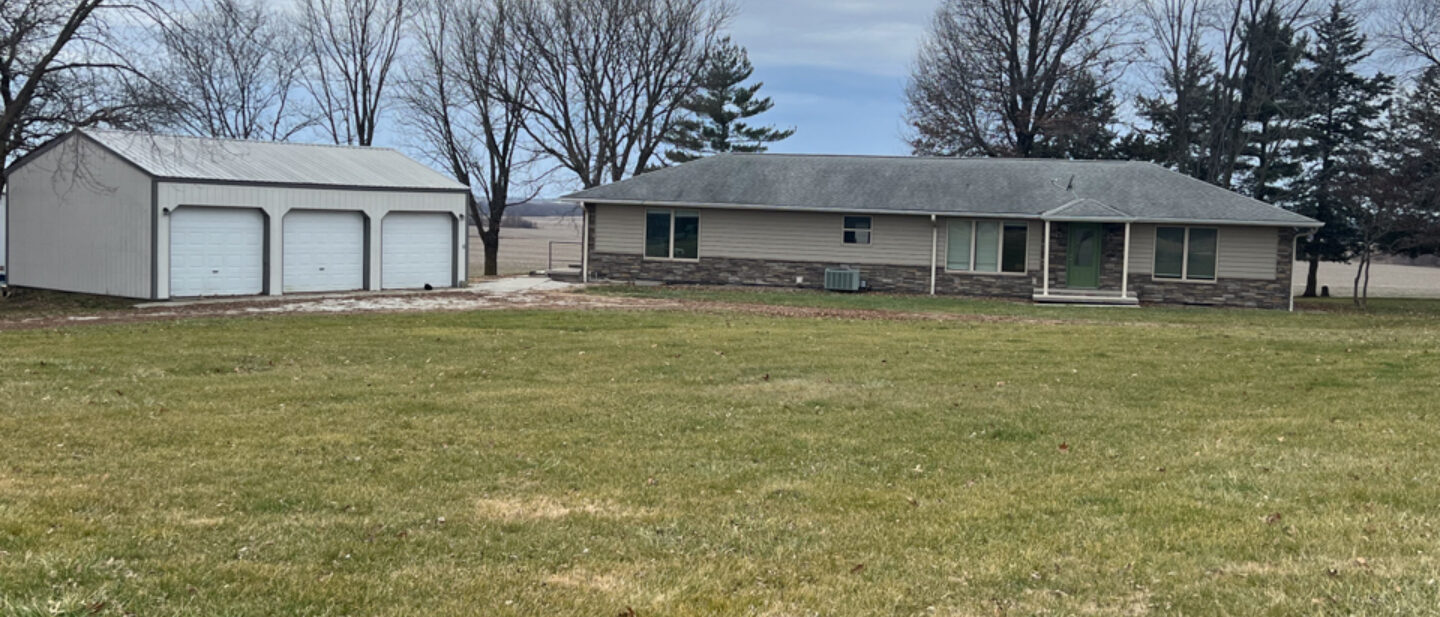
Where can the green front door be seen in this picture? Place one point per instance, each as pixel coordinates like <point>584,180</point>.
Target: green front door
<point>1082,256</point>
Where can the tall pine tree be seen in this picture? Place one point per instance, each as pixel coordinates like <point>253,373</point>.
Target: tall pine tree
<point>1272,104</point>
<point>1340,130</point>
<point>716,115</point>
<point>1085,126</point>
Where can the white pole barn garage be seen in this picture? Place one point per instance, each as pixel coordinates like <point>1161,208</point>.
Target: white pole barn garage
<point>155,216</point>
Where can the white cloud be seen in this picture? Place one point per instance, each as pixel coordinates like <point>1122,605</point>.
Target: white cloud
<point>870,36</point>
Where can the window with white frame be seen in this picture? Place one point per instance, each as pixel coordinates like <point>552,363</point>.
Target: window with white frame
<point>672,234</point>
<point>986,246</point>
<point>1186,253</point>
<point>857,230</point>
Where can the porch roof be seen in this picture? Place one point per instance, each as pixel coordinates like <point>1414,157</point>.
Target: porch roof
<point>1086,210</point>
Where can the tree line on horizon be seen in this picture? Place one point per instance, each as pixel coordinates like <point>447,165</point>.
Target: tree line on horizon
<point>1264,97</point>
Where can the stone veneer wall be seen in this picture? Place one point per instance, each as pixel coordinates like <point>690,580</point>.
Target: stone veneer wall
<point>775,273</point>
<point>1112,255</point>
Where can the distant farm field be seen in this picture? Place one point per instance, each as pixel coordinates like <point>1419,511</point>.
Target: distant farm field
<point>1007,460</point>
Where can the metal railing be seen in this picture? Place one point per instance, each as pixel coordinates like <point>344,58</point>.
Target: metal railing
<point>550,260</point>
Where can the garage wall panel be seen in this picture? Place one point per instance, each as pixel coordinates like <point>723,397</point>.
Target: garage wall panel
<point>87,231</point>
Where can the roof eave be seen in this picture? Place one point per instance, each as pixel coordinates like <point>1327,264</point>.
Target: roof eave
<point>572,199</point>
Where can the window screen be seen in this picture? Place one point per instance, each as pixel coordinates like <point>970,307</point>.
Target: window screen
<point>987,246</point>
<point>1169,252</point>
<point>657,233</point>
<point>1202,255</point>
<point>857,230</point>
<point>687,234</point>
<point>957,245</point>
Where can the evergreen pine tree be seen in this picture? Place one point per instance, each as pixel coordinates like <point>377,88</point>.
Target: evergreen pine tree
<point>1084,128</point>
<point>1340,131</point>
<point>1413,153</point>
<point>715,116</point>
<point>1179,118</point>
<point>1272,104</point>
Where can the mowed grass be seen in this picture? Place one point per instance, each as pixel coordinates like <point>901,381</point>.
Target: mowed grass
<point>702,463</point>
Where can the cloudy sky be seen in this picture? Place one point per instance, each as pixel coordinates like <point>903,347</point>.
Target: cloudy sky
<point>836,68</point>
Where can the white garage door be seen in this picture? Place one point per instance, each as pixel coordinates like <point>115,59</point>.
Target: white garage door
<point>217,252</point>
<point>417,249</point>
<point>324,251</point>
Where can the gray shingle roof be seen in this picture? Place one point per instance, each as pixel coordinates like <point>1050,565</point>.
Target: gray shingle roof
<point>232,160</point>
<point>1023,188</point>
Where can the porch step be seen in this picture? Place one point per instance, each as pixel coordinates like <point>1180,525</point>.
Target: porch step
<point>568,275</point>
<point>1092,297</point>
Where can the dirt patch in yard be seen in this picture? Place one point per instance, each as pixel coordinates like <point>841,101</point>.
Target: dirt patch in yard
<point>497,294</point>
<point>542,508</point>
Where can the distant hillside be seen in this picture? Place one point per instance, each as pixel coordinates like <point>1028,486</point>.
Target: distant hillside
<point>542,208</point>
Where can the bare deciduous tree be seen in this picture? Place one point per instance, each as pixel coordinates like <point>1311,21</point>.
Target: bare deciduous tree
<point>609,76</point>
<point>1233,94</point>
<point>60,68</point>
<point>352,46</point>
<point>1180,107</point>
<point>1413,27</point>
<point>991,73</point>
<point>231,69</point>
<point>464,97</point>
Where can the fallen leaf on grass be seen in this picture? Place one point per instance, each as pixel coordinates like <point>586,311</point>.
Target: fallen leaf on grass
<point>859,567</point>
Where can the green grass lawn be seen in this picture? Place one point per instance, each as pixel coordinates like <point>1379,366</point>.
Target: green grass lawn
<point>1121,462</point>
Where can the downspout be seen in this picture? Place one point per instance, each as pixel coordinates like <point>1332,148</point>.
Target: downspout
<point>584,243</point>
<point>934,251</point>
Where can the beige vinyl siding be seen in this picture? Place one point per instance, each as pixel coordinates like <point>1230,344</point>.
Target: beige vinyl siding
<point>1142,249</point>
<point>80,231</point>
<point>778,235</point>
<point>1248,253</point>
<point>1034,247</point>
<point>621,229</point>
<point>1242,252</point>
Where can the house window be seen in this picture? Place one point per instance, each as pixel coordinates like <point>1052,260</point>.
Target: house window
<point>857,230</point>
<point>986,246</point>
<point>1186,253</point>
<point>672,234</point>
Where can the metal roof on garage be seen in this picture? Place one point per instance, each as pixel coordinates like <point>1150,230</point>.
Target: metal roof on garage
<point>236,161</point>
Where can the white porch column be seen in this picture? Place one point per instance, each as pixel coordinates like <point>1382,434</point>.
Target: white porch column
<point>934,251</point>
<point>1045,276</point>
<point>1125,266</point>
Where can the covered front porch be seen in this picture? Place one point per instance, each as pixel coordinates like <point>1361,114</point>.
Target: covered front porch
<point>1086,254</point>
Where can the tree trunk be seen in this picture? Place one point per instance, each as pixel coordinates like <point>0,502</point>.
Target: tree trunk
<point>1312,279</point>
<point>1355,289</point>
<point>491,239</point>
<point>1365,295</point>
